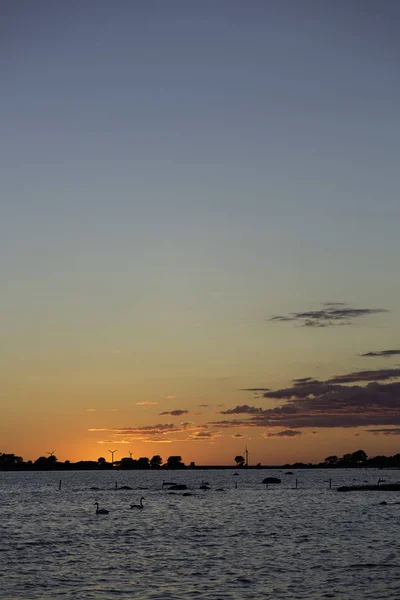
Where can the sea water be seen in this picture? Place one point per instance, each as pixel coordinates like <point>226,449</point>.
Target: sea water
<point>247,541</point>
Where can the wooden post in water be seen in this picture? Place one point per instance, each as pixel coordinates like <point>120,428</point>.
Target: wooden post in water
<point>296,484</point>
<point>59,485</point>
<point>330,483</point>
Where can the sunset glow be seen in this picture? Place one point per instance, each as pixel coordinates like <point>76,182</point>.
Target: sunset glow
<point>199,233</point>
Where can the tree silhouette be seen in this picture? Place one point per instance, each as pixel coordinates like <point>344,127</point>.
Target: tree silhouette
<point>156,461</point>
<point>359,457</point>
<point>331,460</point>
<point>143,462</point>
<point>9,461</point>
<point>128,463</point>
<point>175,462</point>
<point>239,460</point>
<point>46,462</point>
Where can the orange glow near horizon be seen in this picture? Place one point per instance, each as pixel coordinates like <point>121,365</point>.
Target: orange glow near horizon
<point>309,447</point>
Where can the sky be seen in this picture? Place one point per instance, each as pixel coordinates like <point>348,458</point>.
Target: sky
<point>199,211</point>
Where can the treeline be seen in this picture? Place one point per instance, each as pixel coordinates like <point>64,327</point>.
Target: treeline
<point>358,459</point>
<point>12,462</point>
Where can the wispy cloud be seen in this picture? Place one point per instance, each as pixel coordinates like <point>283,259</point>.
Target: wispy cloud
<point>286,433</point>
<point>332,314</point>
<point>90,409</point>
<point>174,413</point>
<point>98,429</point>
<point>382,353</point>
<point>239,410</point>
<point>146,403</point>
<point>147,429</point>
<point>164,432</point>
<point>377,375</point>
<point>205,435</point>
<point>392,431</point>
<point>259,389</point>
<point>113,441</point>
<point>155,440</point>
<point>301,380</point>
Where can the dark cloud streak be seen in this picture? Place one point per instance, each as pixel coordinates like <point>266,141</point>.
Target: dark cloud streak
<point>377,375</point>
<point>286,433</point>
<point>382,353</point>
<point>333,313</point>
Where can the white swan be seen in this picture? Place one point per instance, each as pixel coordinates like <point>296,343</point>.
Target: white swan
<point>100,511</point>
<point>138,505</point>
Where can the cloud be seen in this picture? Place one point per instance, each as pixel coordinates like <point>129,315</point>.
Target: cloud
<point>205,435</point>
<point>98,429</point>
<point>332,314</point>
<point>113,442</point>
<point>155,440</point>
<point>334,304</point>
<point>146,403</point>
<point>90,409</point>
<point>382,353</point>
<point>302,390</point>
<point>378,375</point>
<point>239,410</point>
<point>147,429</point>
<point>170,397</point>
<point>321,404</point>
<point>174,413</point>
<point>204,405</point>
<point>165,433</point>
<point>392,431</point>
<point>261,389</point>
<point>286,433</point>
<point>237,435</point>
<point>233,423</point>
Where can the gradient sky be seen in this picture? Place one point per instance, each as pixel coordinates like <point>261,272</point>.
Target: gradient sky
<point>173,175</point>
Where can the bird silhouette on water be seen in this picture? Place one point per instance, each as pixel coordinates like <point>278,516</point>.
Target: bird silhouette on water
<point>138,505</point>
<point>100,511</point>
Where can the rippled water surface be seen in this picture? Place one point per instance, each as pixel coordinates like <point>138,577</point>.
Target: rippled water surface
<point>243,542</point>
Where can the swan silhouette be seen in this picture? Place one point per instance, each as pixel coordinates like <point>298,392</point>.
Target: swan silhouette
<point>138,505</point>
<point>100,511</point>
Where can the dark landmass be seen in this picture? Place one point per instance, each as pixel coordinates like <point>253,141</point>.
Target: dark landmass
<point>359,459</point>
<point>385,487</point>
